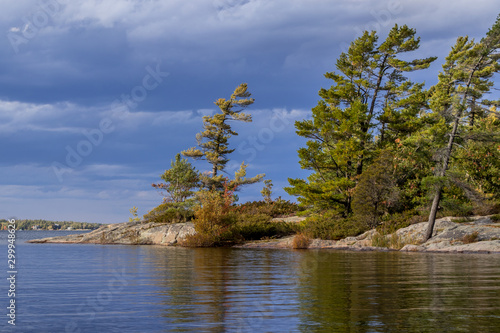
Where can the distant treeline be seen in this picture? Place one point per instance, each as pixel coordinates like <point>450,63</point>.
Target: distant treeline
<point>49,225</point>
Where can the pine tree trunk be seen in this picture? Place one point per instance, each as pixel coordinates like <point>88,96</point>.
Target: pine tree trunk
<point>432,215</point>
<point>437,195</point>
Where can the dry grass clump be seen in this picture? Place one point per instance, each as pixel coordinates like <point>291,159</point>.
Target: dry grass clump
<point>301,241</point>
<point>470,238</point>
<point>379,240</point>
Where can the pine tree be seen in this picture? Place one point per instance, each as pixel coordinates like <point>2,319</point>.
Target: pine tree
<point>267,190</point>
<point>180,180</point>
<point>465,78</point>
<point>213,140</point>
<point>370,96</point>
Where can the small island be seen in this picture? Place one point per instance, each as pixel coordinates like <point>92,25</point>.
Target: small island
<point>391,164</point>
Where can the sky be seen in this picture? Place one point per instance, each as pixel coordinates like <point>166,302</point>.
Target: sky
<point>98,96</point>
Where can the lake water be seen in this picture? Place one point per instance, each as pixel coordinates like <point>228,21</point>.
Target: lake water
<point>114,288</point>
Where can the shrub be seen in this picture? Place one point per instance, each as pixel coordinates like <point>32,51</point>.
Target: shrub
<point>495,217</point>
<point>265,229</point>
<point>276,208</point>
<point>301,241</point>
<point>171,212</point>
<point>455,207</point>
<point>487,208</point>
<point>253,218</point>
<point>214,219</point>
<point>218,222</point>
<point>394,222</point>
<point>331,226</point>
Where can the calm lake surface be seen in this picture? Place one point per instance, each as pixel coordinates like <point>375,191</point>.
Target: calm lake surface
<point>114,288</point>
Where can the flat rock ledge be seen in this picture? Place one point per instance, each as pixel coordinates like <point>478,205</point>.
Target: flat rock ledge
<point>130,233</point>
<point>476,235</point>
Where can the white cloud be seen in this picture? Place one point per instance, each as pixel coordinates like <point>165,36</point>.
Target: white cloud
<point>70,118</point>
<point>17,116</point>
<point>206,112</point>
<point>106,169</point>
<point>262,118</point>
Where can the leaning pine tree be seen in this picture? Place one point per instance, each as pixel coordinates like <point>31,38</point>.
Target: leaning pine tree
<point>213,144</point>
<point>467,120</point>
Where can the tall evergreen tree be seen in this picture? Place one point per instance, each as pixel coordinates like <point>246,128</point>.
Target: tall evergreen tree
<point>457,97</point>
<point>370,104</point>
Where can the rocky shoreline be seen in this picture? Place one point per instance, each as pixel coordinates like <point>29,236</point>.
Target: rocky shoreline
<point>128,233</point>
<point>473,235</point>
